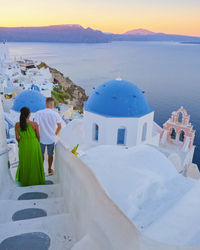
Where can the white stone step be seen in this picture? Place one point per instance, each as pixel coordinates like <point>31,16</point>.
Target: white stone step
<point>86,243</point>
<point>51,206</point>
<point>53,178</point>
<point>59,229</point>
<point>52,191</point>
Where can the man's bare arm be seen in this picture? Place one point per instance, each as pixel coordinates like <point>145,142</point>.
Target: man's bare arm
<point>58,128</point>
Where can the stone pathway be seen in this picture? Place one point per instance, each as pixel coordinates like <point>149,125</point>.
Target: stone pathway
<point>35,218</point>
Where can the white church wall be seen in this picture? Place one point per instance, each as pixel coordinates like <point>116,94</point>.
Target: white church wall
<point>108,129</point>
<point>98,222</point>
<point>157,128</point>
<point>188,160</point>
<point>156,134</point>
<point>155,139</point>
<point>129,124</point>
<point>89,121</point>
<point>146,119</point>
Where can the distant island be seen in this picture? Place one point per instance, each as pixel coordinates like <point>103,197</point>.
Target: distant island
<point>77,34</point>
<point>57,33</point>
<point>139,32</point>
<point>198,43</point>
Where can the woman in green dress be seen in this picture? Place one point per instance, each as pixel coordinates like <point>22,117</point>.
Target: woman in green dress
<point>30,170</point>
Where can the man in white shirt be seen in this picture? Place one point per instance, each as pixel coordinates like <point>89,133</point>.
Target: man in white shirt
<point>49,123</point>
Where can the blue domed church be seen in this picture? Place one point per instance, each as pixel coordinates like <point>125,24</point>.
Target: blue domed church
<point>32,99</point>
<point>117,113</point>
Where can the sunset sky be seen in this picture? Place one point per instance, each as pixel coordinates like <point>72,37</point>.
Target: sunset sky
<point>118,16</point>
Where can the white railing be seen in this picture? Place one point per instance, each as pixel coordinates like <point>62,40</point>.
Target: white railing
<point>157,128</point>
<point>94,214</point>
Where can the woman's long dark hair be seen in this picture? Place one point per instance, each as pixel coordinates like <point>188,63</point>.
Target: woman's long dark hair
<point>23,116</point>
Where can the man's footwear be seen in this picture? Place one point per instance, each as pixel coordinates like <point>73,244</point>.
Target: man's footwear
<point>50,172</point>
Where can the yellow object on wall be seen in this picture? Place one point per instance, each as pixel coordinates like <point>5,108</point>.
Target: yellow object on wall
<point>74,150</point>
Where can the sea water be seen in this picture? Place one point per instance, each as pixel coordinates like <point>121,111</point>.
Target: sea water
<point>168,72</point>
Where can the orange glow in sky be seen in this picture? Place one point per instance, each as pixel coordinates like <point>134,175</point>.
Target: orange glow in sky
<point>117,16</point>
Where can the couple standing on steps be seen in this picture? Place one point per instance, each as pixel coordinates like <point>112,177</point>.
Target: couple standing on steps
<point>33,138</point>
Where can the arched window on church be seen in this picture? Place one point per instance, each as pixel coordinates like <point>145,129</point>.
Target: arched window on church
<point>121,136</point>
<point>182,136</point>
<point>144,132</point>
<point>173,134</point>
<point>95,132</point>
<point>180,117</point>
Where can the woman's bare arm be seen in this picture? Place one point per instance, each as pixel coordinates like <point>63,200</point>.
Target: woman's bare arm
<point>17,132</point>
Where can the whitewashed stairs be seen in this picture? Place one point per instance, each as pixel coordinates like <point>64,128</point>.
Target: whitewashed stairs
<point>22,229</point>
